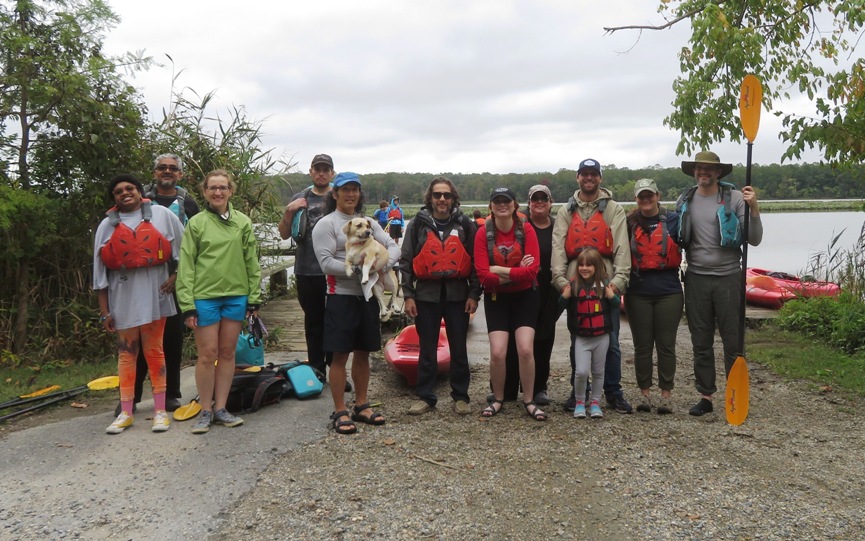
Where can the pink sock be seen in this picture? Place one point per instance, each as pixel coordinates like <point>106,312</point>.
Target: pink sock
<point>159,401</point>
<point>126,407</point>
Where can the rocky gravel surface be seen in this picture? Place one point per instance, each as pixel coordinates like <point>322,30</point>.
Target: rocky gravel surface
<point>792,471</point>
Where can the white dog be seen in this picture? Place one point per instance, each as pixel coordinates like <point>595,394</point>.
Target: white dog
<point>364,252</point>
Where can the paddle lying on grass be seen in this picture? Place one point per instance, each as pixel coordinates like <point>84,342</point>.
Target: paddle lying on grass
<point>100,384</point>
<point>737,399</point>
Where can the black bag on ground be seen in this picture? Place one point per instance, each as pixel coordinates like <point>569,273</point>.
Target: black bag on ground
<point>252,390</point>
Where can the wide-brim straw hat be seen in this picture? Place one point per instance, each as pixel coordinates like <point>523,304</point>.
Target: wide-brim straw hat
<point>708,158</point>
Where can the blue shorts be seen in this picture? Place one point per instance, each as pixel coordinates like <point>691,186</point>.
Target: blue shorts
<point>212,311</point>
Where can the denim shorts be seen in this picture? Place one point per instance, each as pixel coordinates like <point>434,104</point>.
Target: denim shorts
<point>212,311</point>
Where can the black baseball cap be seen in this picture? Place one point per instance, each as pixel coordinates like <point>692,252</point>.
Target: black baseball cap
<point>322,158</point>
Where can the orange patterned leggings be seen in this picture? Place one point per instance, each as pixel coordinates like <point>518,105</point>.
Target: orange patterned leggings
<point>129,341</point>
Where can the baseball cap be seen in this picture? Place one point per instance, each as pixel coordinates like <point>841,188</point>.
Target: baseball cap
<point>322,158</point>
<point>344,178</point>
<point>645,185</point>
<point>503,192</point>
<point>540,188</point>
<point>590,164</point>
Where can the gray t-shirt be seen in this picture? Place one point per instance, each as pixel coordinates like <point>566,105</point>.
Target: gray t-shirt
<point>305,262</point>
<point>134,298</point>
<point>705,254</point>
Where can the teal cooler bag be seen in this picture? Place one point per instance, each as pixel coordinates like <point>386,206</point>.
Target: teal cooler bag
<point>249,351</point>
<point>304,381</point>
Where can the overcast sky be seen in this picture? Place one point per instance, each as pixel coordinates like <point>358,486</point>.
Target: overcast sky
<point>435,86</point>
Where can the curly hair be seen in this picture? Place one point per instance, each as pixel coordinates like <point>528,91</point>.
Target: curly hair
<point>427,198</point>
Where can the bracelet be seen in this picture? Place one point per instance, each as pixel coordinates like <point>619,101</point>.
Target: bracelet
<point>103,318</point>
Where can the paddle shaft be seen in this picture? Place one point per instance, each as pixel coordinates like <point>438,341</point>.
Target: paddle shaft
<point>745,226</point>
<point>57,397</point>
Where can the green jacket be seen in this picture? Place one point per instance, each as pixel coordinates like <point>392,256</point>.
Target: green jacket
<point>218,258</point>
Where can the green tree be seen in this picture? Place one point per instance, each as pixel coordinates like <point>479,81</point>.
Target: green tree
<point>804,46</point>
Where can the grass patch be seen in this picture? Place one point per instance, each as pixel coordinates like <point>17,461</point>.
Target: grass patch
<point>793,356</point>
<point>21,380</point>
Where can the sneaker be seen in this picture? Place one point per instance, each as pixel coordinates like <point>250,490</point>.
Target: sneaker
<point>172,404</point>
<point>665,407</point>
<point>618,403</point>
<point>461,407</point>
<point>120,424</point>
<point>160,421</point>
<point>595,410</point>
<point>419,407</point>
<point>645,404</point>
<point>542,399</point>
<point>579,410</point>
<point>119,409</point>
<point>224,418</point>
<point>701,408</point>
<point>202,425</point>
<point>570,403</point>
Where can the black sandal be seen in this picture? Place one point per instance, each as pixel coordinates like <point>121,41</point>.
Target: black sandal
<point>375,419</point>
<point>534,411</point>
<point>491,411</point>
<point>342,427</point>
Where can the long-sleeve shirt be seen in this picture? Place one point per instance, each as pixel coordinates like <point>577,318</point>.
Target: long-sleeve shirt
<point>521,277</point>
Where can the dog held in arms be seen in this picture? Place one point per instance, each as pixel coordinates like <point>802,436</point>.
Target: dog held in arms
<point>366,255</point>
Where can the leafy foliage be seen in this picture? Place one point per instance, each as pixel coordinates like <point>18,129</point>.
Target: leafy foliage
<point>806,47</point>
<point>837,322</point>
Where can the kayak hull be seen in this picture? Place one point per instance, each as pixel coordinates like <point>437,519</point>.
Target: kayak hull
<point>402,351</point>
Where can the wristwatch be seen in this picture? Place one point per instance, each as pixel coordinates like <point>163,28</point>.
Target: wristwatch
<point>103,318</point>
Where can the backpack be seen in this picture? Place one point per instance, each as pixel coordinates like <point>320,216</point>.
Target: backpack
<point>301,380</point>
<point>252,390</point>
<point>179,205</point>
<point>300,223</point>
<point>731,229</point>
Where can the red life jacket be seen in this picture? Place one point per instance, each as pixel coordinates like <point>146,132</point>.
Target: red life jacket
<point>394,214</point>
<point>131,249</point>
<point>500,255</point>
<point>656,251</point>
<point>591,233</point>
<point>439,259</point>
<point>593,314</point>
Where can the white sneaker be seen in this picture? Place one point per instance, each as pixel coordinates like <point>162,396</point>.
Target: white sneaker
<point>120,424</point>
<point>160,421</point>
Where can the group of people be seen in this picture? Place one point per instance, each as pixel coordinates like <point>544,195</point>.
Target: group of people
<point>159,263</point>
<point>529,268</point>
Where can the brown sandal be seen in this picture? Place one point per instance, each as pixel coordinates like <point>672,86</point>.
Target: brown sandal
<point>534,411</point>
<point>491,411</point>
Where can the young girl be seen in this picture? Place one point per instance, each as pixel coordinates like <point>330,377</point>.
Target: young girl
<point>590,324</point>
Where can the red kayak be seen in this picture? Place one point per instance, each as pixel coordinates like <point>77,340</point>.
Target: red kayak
<point>772,289</point>
<point>402,351</point>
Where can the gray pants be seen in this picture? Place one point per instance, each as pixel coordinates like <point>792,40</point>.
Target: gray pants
<point>590,356</point>
<point>711,300</point>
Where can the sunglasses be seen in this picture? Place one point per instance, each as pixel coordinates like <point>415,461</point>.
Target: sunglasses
<point>446,195</point>
<point>501,201</point>
<point>540,198</point>
<point>163,167</point>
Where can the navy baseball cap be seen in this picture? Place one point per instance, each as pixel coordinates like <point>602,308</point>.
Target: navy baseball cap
<point>590,164</point>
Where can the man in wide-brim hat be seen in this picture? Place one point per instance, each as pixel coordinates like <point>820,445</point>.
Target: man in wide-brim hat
<point>713,280</point>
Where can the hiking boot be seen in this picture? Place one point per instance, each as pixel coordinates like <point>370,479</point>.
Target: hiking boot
<point>172,404</point>
<point>461,407</point>
<point>119,408</point>
<point>120,424</point>
<point>645,404</point>
<point>202,425</point>
<point>579,410</point>
<point>618,403</point>
<point>701,408</point>
<point>570,403</point>
<point>419,408</point>
<point>666,406</point>
<point>595,410</point>
<point>224,418</point>
<point>160,421</point>
<point>542,399</point>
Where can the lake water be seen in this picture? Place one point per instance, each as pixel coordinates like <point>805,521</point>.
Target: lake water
<point>790,239</point>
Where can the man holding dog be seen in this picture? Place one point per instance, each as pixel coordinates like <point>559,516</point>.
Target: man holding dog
<point>439,282</point>
<point>592,219</point>
<point>311,284</point>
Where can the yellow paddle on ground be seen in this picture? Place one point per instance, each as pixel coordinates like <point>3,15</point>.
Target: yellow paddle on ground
<point>188,411</point>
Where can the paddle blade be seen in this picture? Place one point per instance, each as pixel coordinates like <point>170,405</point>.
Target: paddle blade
<point>188,411</point>
<point>108,382</point>
<point>738,392</point>
<point>750,103</point>
<point>41,392</point>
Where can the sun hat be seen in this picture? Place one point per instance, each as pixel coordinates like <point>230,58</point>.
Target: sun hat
<point>590,164</point>
<point>503,192</point>
<point>645,185</point>
<point>540,188</point>
<point>344,178</point>
<point>708,158</point>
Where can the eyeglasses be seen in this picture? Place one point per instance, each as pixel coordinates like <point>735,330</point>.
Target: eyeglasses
<point>540,198</point>
<point>163,167</point>
<point>446,195</point>
<point>218,188</point>
<point>128,189</point>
